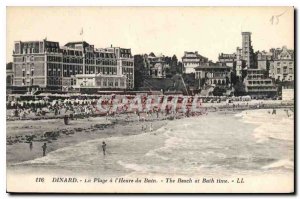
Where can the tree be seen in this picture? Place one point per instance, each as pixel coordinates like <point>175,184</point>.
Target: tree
<point>167,60</point>
<point>138,79</point>
<point>239,89</point>
<point>139,68</point>
<point>218,91</point>
<point>152,54</point>
<point>138,62</point>
<point>173,65</point>
<point>244,74</point>
<point>233,78</point>
<point>179,68</point>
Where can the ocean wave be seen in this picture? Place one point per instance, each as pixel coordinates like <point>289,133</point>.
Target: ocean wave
<point>71,156</point>
<point>285,163</point>
<point>280,131</point>
<point>270,126</point>
<point>189,146</point>
<point>142,168</point>
<point>132,166</point>
<point>154,153</point>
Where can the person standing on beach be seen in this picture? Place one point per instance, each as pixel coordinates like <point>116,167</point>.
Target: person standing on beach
<point>104,147</point>
<point>30,145</point>
<point>44,149</point>
<point>138,114</point>
<point>287,112</point>
<point>151,127</point>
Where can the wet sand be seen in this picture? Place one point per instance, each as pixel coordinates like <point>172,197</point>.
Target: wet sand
<point>58,135</point>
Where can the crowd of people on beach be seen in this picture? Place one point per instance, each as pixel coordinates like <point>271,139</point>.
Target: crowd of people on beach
<point>54,108</point>
<point>112,106</point>
<point>84,108</point>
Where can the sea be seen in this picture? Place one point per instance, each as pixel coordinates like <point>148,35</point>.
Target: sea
<point>251,142</point>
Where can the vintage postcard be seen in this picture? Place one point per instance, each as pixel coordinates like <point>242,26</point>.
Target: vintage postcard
<point>150,99</point>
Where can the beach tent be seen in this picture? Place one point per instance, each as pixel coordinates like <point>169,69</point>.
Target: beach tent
<point>46,98</point>
<point>45,109</point>
<point>54,102</point>
<point>246,98</point>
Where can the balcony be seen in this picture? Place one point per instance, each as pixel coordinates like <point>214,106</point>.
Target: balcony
<point>285,73</point>
<point>262,90</point>
<point>260,85</point>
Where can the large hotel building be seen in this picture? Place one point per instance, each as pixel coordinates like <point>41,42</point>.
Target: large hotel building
<point>44,65</point>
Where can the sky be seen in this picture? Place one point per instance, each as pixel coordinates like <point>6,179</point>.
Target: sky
<point>166,30</point>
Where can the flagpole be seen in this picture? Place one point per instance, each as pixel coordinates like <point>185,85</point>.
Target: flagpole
<point>83,60</point>
<point>81,35</point>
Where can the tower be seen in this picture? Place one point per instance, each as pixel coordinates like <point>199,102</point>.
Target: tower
<point>247,50</point>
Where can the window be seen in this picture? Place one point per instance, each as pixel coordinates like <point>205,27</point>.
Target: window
<point>284,70</point>
<point>284,77</point>
<point>278,70</point>
<point>116,84</point>
<point>290,70</point>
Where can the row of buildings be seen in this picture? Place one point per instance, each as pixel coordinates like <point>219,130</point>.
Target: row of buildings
<point>155,66</point>
<point>257,71</point>
<point>45,65</point>
<point>278,63</point>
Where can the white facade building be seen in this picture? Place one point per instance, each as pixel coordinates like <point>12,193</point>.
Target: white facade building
<point>101,81</point>
<point>191,60</point>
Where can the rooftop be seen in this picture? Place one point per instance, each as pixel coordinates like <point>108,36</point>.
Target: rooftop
<point>77,42</point>
<point>212,66</point>
<point>98,75</point>
<point>246,33</point>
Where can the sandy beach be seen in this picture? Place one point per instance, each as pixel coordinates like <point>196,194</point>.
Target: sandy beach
<point>61,135</point>
<point>225,144</point>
